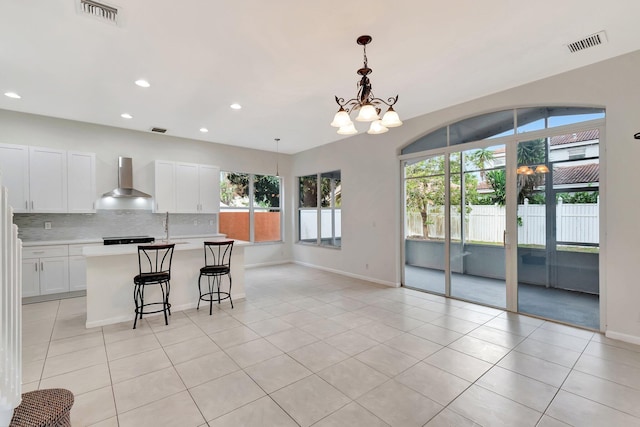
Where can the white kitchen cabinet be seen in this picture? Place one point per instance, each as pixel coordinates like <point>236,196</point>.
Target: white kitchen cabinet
<point>165,186</point>
<point>197,188</point>
<point>81,182</point>
<point>209,189</point>
<point>14,164</point>
<point>54,275</point>
<point>45,270</point>
<point>77,273</point>
<point>30,277</point>
<point>47,180</point>
<point>187,188</point>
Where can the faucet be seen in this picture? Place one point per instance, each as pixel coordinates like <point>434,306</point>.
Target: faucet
<point>166,227</point>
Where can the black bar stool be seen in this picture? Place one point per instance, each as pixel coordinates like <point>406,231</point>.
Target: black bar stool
<point>154,262</point>
<point>217,263</point>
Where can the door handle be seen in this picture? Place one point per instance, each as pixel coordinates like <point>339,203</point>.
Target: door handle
<point>36,265</point>
<point>504,238</point>
<point>26,204</point>
<point>32,205</point>
<point>41,266</point>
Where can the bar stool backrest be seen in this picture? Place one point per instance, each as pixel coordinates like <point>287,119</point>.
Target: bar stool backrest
<point>218,254</point>
<point>155,259</point>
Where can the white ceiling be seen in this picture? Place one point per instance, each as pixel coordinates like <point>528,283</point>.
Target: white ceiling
<point>284,60</point>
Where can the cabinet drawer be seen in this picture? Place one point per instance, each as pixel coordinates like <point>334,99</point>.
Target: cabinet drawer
<point>45,251</point>
<point>77,249</point>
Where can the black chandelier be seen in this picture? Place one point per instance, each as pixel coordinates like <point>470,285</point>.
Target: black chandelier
<point>366,104</point>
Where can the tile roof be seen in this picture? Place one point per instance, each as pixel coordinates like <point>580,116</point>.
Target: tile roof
<point>567,175</point>
<point>587,135</point>
<point>576,174</point>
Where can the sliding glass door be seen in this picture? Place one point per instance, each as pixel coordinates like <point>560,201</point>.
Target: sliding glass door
<point>477,212</point>
<point>558,227</point>
<point>425,188</point>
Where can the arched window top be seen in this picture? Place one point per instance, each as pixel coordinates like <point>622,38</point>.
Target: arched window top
<point>502,123</point>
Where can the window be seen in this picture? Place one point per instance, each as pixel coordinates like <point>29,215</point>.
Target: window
<point>319,209</point>
<point>250,207</point>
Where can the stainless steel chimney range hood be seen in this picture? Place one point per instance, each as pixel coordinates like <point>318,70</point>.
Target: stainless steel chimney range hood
<point>125,182</point>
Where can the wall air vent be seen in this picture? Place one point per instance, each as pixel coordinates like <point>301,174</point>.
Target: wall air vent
<point>101,11</point>
<point>158,130</point>
<point>588,42</point>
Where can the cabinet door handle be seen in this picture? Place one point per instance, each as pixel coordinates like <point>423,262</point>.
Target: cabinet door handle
<point>37,252</point>
<point>41,266</point>
<point>36,265</point>
<point>32,205</point>
<point>26,204</point>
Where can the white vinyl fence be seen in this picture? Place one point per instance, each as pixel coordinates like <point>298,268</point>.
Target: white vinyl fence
<point>577,223</point>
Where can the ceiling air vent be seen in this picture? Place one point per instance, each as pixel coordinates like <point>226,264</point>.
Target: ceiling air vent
<point>587,42</point>
<point>158,130</point>
<point>102,11</point>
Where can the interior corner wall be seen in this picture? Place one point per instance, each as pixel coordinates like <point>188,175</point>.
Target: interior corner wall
<point>108,143</point>
<point>372,191</point>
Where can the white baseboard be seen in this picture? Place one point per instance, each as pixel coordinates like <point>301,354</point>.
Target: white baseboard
<point>623,337</point>
<point>354,276</point>
<point>267,264</point>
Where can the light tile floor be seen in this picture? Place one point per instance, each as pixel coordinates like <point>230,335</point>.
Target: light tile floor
<point>309,347</point>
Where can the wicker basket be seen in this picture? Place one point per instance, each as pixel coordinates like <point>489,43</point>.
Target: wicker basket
<point>44,408</point>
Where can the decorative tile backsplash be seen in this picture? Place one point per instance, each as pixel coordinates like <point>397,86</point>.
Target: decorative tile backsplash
<point>106,223</point>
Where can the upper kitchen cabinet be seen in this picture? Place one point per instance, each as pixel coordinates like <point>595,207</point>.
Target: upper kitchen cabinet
<point>165,186</point>
<point>81,173</point>
<point>186,187</point>
<point>47,180</point>
<point>14,164</point>
<point>209,187</point>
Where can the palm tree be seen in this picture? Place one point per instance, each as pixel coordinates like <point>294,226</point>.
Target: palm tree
<point>480,158</point>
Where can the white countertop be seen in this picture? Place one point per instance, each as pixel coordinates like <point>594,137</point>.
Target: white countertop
<point>99,240</point>
<point>60,242</point>
<point>183,245</point>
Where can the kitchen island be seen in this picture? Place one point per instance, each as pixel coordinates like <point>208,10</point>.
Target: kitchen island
<point>111,269</point>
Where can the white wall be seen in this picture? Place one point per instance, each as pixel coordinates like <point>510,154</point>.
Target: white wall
<point>108,143</point>
<point>371,182</point>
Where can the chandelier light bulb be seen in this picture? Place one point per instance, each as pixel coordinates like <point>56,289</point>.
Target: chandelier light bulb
<point>367,113</point>
<point>391,119</point>
<point>341,119</point>
<point>348,129</point>
<point>377,128</point>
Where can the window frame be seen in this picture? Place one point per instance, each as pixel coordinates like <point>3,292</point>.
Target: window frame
<point>251,209</point>
<point>332,208</point>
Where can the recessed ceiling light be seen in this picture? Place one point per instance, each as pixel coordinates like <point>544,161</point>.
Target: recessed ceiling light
<point>204,130</point>
<point>12,95</point>
<point>236,106</point>
<point>126,116</point>
<point>143,83</point>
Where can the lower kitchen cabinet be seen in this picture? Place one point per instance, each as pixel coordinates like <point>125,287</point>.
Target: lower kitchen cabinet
<point>45,270</point>
<point>53,269</point>
<point>77,273</point>
<point>54,275</point>
<point>42,276</point>
<point>30,277</point>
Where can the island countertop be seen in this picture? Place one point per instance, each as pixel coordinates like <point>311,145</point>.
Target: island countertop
<point>111,268</point>
<point>181,245</point>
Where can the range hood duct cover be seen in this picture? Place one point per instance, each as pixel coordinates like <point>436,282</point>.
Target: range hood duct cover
<point>125,182</point>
